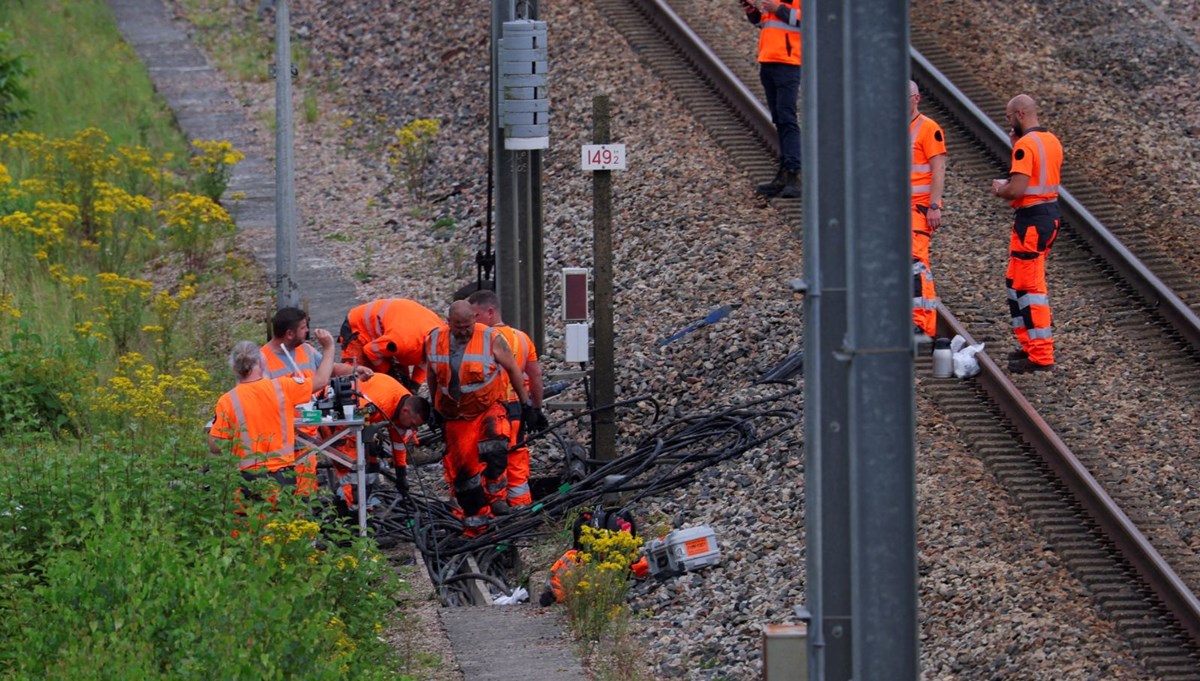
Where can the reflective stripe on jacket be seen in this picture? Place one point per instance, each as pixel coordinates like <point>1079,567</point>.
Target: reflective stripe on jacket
<point>522,348</point>
<point>303,362</point>
<point>779,35</point>
<point>401,322</point>
<point>1038,155</point>
<point>258,416</point>
<point>481,379</point>
<point>927,141</point>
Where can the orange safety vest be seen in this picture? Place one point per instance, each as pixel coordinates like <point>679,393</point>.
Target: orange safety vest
<point>779,38</point>
<point>1038,155</point>
<point>258,417</point>
<point>927,140</point>
<point>276,365</point>
<point>392,329</point>
<point>523,350</point>
<point>381,396</point>
<point>482,380</point>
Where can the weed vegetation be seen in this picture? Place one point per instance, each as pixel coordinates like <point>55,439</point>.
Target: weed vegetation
<point>122,551</point>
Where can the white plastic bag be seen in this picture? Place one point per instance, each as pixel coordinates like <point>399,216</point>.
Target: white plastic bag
<point>965,363</point>
<point>519,595</point>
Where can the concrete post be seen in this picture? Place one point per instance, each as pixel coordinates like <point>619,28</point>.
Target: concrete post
<point>287,291</point>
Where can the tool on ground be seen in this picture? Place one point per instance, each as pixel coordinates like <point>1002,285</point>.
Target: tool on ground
<point>682,551</point>
<point>712,318</point>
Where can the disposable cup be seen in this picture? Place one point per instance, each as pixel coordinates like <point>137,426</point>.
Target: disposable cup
<point>348,410</point>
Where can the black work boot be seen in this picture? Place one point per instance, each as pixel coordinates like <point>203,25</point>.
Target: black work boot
<point>773,187</point>
<point>791,185</point>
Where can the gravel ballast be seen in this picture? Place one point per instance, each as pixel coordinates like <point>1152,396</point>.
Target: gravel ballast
<point>691,236</point>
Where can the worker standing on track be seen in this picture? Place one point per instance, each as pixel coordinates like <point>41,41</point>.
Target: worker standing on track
<point>1032,189</point>
<point>258,414</point>
<point>487,312</point>
<point>928,178</point>
<point>288,354</point>
<point>385,402</point>
<point>388,335</point>
<point>779,70</point>
<point>465,361</point>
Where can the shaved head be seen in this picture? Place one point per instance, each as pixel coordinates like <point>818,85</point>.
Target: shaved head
<point>1024,104</point>
<point>912,88</point>
<point>1021,113</point>
<point>914,96</point>
<point>462,320</point>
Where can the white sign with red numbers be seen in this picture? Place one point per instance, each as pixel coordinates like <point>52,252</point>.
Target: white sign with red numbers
<point>603,157</point>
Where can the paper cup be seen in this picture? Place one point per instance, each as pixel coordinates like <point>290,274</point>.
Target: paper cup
<point>348,410</point>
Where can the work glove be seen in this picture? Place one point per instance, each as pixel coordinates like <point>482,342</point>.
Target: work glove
<point>436,423</point>
<point>539,422</point>
<point>528,414</point>
<point>402,480</point>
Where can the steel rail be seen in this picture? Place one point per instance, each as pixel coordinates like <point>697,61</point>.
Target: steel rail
<point>1104,511</point>
<point>1129,540</point>
<point>1158,296</point>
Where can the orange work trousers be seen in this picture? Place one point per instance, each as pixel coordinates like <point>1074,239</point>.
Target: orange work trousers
<point>924,302</point>
<point>475,464</point>
<point>1033,233</point>
<point>518,494</point>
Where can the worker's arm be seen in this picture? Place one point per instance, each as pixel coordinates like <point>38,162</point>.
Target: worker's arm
<point>1012,188</point>
<point>937,166</point>
<point>504,357</point>
<point>344,369</point>
<point>533,370</point>
<point>320,379</point>
<point>214,445</point>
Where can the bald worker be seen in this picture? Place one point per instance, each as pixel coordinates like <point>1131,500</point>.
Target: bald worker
<point>1032,189</point>
<point>466,364</point>
<point>928,178</point>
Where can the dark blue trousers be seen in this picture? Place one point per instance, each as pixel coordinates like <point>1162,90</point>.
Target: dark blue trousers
<point>781,82</point>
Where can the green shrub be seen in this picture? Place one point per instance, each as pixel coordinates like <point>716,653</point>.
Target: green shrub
<point>13,71</point>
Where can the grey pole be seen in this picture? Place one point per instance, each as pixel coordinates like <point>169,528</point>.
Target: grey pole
<point>880,341</point>
<point>507,252</point>
<point>604,430</point>
<point>287,292</point>
<point>827,374</point>
<point>518,204</point>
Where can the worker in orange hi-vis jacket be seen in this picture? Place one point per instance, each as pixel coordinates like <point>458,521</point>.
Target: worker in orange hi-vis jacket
<point>466,365</point>
<point>1032,189</point>
<point>384,402</point>
<point>779,57</point>
<point>928,179</point>
<point>258,414</point>
<point>487,312</point>
<point>288,354</point>
<point>388,335</point>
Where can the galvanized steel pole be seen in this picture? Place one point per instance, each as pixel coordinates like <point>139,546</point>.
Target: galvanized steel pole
<point>287,292</point>
<point>826,372</point>
<point>880,343</point>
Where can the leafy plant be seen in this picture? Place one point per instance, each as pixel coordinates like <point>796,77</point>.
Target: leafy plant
<point>363,273</point>
<point>193,226</point>
<point>13,93</point>
<point>411,153</point>
<point>213,161</point>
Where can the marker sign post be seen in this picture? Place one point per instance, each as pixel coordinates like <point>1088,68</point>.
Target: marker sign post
<point>603,157</point>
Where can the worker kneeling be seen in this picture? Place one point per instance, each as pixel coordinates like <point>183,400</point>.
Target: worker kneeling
<point>469,368</point>
<point>393,415</point>
<point>592,534</point>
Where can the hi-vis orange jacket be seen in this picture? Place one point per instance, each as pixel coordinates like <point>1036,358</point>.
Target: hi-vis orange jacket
<point>779,38</point>
<point>392,330</point>
<point>304,362</point>
<point>522,348</point>
<point>482,381</point>
<point>257,416</point>
<point>927,141</point>
<point>1039,155</point>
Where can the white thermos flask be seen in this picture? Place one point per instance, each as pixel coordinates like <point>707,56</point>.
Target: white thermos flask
<point>943,359</point>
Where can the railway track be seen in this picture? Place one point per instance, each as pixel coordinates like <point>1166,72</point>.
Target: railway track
<point>1140,573</point>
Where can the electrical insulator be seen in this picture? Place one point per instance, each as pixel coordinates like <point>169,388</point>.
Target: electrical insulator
<point>524,108</point>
